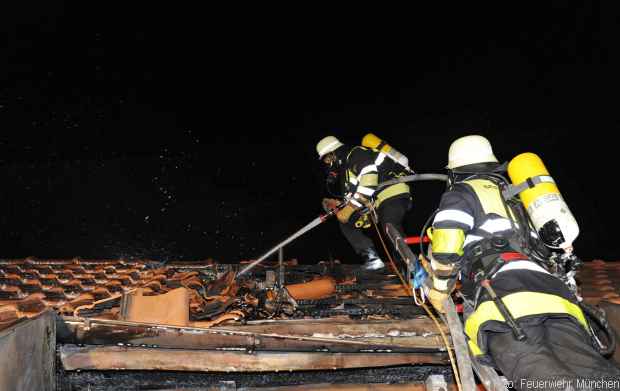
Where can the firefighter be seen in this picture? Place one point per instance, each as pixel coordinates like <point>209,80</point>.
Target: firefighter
<point>541,331</point>
<point>357,171</point>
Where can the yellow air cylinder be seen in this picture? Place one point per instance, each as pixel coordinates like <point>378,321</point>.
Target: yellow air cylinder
<point>550,215</point>
<point>374,142</point>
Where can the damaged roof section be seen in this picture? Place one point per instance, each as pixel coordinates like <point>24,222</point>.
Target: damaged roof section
<point>138,290</point>
<point>196,294</point>
<point>203,317</point>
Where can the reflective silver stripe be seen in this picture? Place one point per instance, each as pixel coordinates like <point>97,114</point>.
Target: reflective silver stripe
<point>353,181</point>
<point>365,190</point>
<point>546,178</point>
<point>455,215</point>
<point>356,203</point>
<point>521,265</point>
<point>440,284</point>
<point>471,239</point>
<point>367,169</point>
<point>380,158</point>
<point>496,225</point>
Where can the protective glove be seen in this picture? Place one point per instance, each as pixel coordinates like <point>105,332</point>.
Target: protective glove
<point>345,213</point>
<point>436,298</point>
<point>436,290</point>
<point>329,204</point>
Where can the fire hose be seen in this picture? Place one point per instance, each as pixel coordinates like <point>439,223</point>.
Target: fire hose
<point>314,223</point>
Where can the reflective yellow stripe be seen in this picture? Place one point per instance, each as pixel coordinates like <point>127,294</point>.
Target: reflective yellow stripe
<point>489,196</point>
<point>448,240</point>
<point>520,304</point>
<point>394,190</point>
<point>369,180</point>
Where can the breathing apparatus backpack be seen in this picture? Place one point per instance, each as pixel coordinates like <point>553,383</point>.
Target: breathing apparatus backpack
<point>535,203</point>
<point>374,142</point>
<point>547,212</point>
<point>557,229</point>
<point>551,217</point>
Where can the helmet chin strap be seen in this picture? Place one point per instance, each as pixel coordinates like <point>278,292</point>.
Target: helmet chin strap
<point>332,176</point>
<point>334,170</point>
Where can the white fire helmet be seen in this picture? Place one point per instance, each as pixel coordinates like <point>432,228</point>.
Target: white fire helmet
<point>470,150</point>
<point>327,145</point>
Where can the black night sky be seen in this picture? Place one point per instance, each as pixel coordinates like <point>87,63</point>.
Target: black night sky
<point>169,132</point>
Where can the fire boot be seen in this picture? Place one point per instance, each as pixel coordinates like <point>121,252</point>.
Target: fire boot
<point>372,262</point>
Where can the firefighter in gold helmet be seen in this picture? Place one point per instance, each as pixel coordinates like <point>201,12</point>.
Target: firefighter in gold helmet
<point>357,171</point>
<point>536,330</point>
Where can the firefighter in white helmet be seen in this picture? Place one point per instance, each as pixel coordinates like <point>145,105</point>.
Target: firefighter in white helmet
<point>537,329</point>
<point>357,171</point>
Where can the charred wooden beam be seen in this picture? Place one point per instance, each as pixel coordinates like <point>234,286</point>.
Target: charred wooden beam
<point>420,326</point>
<point>129,358</point>
<point>411,336</point>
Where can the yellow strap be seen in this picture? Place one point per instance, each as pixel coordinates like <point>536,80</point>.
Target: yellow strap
<point>448,241</point>
<point>520,304</point>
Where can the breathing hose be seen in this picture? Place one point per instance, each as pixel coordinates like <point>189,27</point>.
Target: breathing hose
<point>598,317</point>
<point>412,178</point>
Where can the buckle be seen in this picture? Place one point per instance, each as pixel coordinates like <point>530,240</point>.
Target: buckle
<point>499,242</point>
<point>479,276</point>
